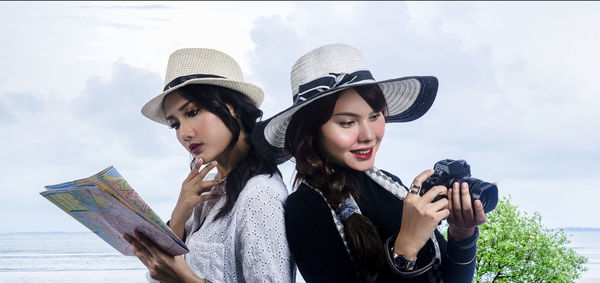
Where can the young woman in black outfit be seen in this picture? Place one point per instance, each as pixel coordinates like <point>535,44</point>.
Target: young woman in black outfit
<point>348,221</point>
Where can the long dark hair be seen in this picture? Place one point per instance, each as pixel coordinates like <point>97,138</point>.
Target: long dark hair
<point>312,165</point>
<point>215,100</point>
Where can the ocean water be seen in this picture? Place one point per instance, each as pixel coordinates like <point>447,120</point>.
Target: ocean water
<point>586,242</point>
<point>64,257</point>
<point>83,257</point>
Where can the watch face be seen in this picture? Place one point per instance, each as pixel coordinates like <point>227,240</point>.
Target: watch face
<point>402,263</point>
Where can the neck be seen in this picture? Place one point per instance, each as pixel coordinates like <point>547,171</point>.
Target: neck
<point>228,160</point>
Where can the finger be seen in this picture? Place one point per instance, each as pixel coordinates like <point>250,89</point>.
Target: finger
<point>137,245</point>
<point>138,249</point>
<point>450,200</point>
<point>442,214</point>
<point>467,209</point>
<point>439,204</point>
<point>456,204</point>
<point>195,170</point>
<point>415,187</point>
<point>479,212</point>
<point>204,186</point>
<point>434,192</point>
<point>146,242</point>
<point>422,177</point>
<point>205,170</point>
<point>413,192</point>
<point>206,197</point>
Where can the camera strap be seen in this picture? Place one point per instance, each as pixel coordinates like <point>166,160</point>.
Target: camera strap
<point>399,191</point>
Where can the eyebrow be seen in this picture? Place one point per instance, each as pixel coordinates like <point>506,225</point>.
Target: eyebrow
<point>350,114</point>
<point>346,114</point>
<point>181,108</point>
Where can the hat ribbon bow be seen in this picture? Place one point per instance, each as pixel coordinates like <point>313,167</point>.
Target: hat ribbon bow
<point>333,80</point>
<point>179,80</point>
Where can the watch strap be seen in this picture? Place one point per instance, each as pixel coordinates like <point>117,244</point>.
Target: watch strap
<point>402,262</point>
<point>403,273</point>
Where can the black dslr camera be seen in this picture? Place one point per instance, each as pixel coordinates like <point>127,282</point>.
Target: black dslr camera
<point>448,171</point>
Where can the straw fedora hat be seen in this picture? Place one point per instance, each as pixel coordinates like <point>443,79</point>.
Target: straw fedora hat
<point>333,68</point>
<point>200,66</point>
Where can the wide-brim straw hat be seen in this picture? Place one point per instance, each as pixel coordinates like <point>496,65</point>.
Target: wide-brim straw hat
<point>333,68</point>
<point>200,66</point>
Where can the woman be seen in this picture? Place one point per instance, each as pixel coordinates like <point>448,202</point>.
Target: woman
<point>348,221</point>
<point>232,221</point>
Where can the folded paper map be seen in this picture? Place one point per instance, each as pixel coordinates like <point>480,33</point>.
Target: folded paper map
<point>107,205</point>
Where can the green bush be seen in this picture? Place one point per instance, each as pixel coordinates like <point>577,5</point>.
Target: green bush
<point>513,247</point>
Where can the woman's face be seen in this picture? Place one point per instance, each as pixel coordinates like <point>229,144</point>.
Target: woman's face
<point>352,135</point>
<point>200,131</point>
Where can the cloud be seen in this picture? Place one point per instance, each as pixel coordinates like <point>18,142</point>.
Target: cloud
<point>276,46</point>
<point>132,7</point>
<point>517,98</point>
<point>14,106</point>
<point>506,103</point>
<point>48,141</point>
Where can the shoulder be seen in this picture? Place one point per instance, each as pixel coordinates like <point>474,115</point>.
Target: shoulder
<point>307,206</point>
<point>306,198</point>
<point>264,186</point>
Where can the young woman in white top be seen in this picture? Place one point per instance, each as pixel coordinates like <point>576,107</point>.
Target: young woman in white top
<point>232,221</point>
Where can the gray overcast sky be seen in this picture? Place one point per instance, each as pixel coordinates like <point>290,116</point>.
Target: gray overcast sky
<point>517,99</point>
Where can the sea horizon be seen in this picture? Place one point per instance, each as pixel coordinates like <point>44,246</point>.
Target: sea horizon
<point>81,256</point>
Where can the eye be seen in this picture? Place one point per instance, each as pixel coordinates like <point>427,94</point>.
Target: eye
<point>375,116</point>
<point>346,124</point>
<point>191,113</point>
<point>174,126</point>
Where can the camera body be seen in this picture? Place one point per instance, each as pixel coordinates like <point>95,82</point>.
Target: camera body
<point>448,171</point>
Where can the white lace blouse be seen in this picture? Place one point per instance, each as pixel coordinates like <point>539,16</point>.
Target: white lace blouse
<point>249,243</point>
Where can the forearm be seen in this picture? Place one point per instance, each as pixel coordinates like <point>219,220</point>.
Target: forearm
<point>178,228</point>
<point>458,265</point>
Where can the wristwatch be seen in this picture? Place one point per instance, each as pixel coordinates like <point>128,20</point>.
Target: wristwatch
<point>401,262</point>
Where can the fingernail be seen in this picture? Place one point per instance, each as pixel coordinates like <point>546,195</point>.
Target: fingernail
<point>214,162</point>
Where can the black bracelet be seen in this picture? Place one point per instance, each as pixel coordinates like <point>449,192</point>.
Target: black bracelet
<point>468,245</point>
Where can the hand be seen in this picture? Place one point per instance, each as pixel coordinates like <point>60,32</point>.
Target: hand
<point>162,267</point>
<point>191,194</point>
<point>463,219</point>
<point>420,217</point>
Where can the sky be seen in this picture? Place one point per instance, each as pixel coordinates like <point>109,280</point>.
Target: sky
<point>517,98</point>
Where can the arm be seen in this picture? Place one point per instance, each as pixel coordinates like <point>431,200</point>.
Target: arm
<point>162,267</point>
<point>314,240</point>
<point>420,217</point>
<point>459,262</point>
<point>190,195</point>
<point>262,246</point>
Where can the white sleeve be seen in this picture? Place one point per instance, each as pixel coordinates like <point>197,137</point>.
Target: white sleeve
<point>263,245</point>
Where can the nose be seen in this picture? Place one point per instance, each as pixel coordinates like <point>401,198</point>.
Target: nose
<point>186,132</point>
<point>366,133</point>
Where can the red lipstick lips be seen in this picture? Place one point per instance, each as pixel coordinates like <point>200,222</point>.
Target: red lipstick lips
<point>195,147</point>
<point>364,154</point>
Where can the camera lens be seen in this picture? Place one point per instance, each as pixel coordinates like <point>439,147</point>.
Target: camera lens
<point>486,192</point>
